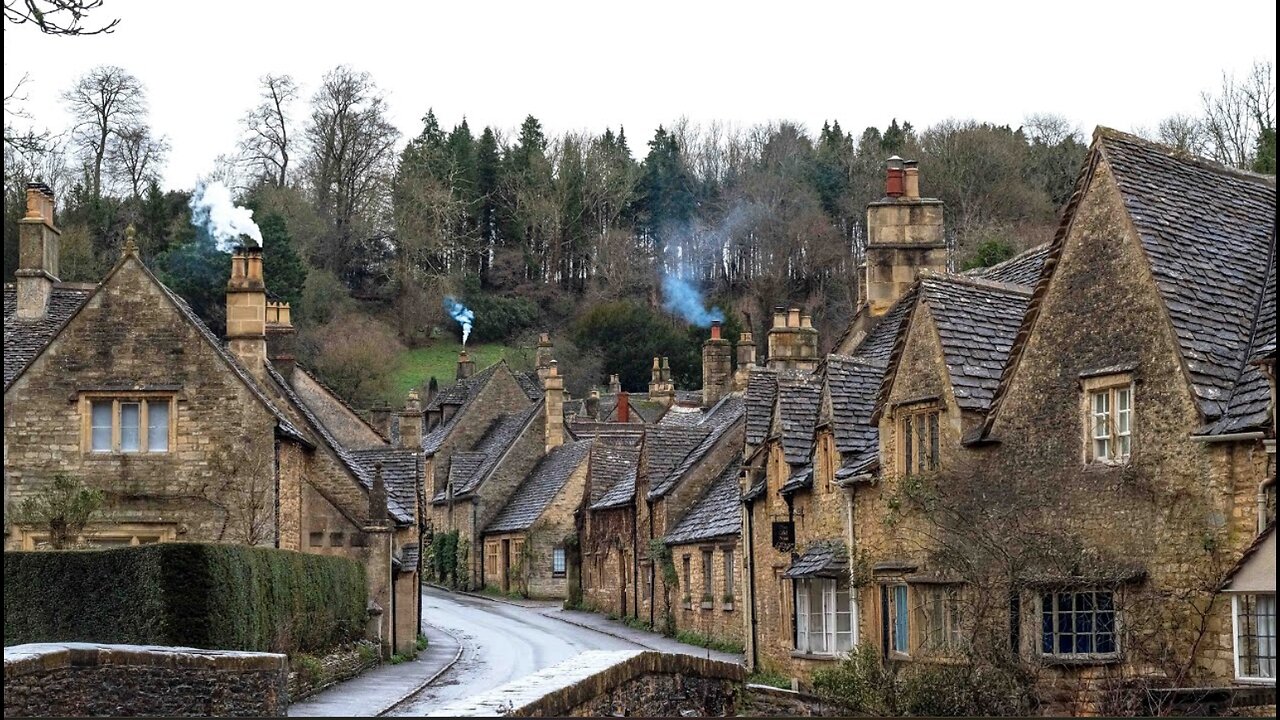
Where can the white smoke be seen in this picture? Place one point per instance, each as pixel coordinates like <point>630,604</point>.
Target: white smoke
<point>462,314</point>
<point>227,223</point>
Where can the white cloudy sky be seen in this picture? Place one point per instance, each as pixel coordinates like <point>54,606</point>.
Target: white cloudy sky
<point>587,65</point>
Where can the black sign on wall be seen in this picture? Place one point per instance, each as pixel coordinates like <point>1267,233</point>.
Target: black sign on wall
<point>784,536</point>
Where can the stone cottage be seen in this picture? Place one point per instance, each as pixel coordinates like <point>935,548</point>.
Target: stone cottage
<point>1066,460</point>
<point>120,385</point>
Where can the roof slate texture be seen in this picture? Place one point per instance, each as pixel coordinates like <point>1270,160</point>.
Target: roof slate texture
<point>718,421</point>
<point>540,487</point>
<point>977,324</point>
<point>1209,234</point>
<point>613,474</point>
<point>716,514</point>
<point>762,391</point>
<point>1021,269</point>
<point>853,385</point>
<point>799,398</point>
<point>825,558</point>
<point>25,339</point>
<point>877,346</point>
<point>401,469</point>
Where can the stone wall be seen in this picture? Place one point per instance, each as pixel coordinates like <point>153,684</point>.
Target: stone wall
<point>718,617</point>
<point>601,683</point>
<point>765,701</point>
<point>607,564</point>
<point>309,675</point>
<point>83,680</point>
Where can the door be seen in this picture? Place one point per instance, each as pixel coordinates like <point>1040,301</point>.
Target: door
<point>622,575</point>
<point>506,566</point>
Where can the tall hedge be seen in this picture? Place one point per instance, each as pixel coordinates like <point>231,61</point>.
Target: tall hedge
<point>225,597</point>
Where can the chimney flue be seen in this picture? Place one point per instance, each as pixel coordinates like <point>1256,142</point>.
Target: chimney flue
<point>715,329</point>
<point>247,307</point>
<point>624,407</point>
<point>894,177</point>
<point>466,366</point>
<point>911,180</point>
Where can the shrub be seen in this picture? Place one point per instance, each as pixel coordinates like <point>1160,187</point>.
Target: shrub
<point>501,318</point>
<point>226,597</point>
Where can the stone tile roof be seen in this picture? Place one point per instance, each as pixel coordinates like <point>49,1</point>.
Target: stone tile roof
<point>878,345</point>
<point>716,514</point>
<point>825,558</point>
<point>538,490</point>
<point>461,393</point>
<point>1209,234</point>
<point>853,385</point>
<point>862,463</point>
<point>977,324</point>
<point>25,339</point>
<point>665,447</point>
<point>718,421</point>
<point>359,468</point>
<point>762,391</point>
<point>467,469</point>
<point>530,383</point>
<point>1250,404</point>
<point>613,474</point>
<point>686,417</point>
<point>799,398</point>
<point>1021,269</point>
<point>409,553</point>
<point>800,478</point>
<point>593,428</point>
<point>401,470</point>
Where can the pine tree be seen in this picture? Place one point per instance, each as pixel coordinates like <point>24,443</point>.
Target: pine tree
<point>283,268</point>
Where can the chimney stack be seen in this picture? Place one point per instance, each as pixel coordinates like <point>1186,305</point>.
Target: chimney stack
<point>466,366</point>
<point>378,497</point>
<point>281,337</point>
<point>904,237</point>
<point>591,404</point>
<point>746,360</point>
<point>615,385</point>
<point>793,342</point>
<point>411,422</point>
<point>543,356</point>
<point>661,389</point>
<point>553,387</point>
<point>717,367</point>
<point>247,308</point>
<point>624,407</point>
<point>38,251</point>
<point>380,418</point>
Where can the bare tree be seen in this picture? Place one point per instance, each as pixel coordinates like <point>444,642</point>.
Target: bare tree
<point>1183,133</point>
<point>55,17</point>
<point>64,508</point>
<point>136,157</point>
<point>27,140</point>
<point>245,494</point>
<point>1236,116</point>
<point>103,102</point>
<point>350,159</point>
<point>266,142</point>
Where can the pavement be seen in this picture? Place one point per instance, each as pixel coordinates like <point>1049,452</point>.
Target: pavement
<point>478,643</point>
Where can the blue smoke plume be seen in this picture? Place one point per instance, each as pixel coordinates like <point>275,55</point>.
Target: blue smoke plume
<point>462,314</point>
<point>683,299</point>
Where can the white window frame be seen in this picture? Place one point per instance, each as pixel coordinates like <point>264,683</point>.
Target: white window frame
<point>837,599</point>
<point>1108,431</point>
<point>558,561</point>
<point>144,403</point>
<point>1055,654</point>
<point>1235,638</point>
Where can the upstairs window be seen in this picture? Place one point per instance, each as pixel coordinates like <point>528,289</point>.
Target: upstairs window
<point>128,424</point>
<point>1109,419</point>
<point>918,436</point>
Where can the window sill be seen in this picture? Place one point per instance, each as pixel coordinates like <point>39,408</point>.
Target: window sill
<point>727,607</point>
<point>1256,682</point>
<point>1079,661</point>
<point>813,656</point>
<point>90,455</point>
<point>557,575</point>
<point>707,606</point>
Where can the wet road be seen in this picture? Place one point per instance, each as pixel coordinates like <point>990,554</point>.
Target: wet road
<point>500,643</point>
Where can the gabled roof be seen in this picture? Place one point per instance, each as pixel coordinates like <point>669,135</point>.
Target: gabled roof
<point>825,558</point>
<point>665,447</point>
<point>853,384</point>
<point>540,487</point>
<point>716,423</point>
<point>613,475</point>
<point>401,469</point>
<point>467,469</point>
<point>717,514</point>
<point>1021,269</point>
<point>799,399</point>
<point>25,339</point>
<point>762,391</point>
<point>1209,234</point>
<point>461,394</point>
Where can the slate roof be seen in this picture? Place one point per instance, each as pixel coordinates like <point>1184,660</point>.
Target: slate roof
<point>360,468</point>
<point>611,430</point>
<point>1209,235</point>
<point>853,385</point>
<point>718,421</point>
<point>530,384</point>
<point>461,393</point>
<point>977,324</point>
<point>613,475</point>
<point>467,469</point>
<point>762,391</point>
<point>401,469</point>
<point>799,398</point>
<point>25,339</point>
<point>716,514</point>
<point>409,557</point>
<point>665,447</point>
<point>685,417</point>
<point>540,487</point>
<point>1021,269</point>
<point>864,462</point>
<point>800,478</point>
<point>1250,404</point>
<point>825,558</point>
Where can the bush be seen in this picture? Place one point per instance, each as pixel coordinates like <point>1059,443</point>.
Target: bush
<point>501,318</point>
<point>225,597</point>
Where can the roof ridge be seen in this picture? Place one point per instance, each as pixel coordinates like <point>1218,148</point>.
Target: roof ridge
<point>982,271</point>
<point>981,282</point>
<point>341,400</point>
<point>1107,133</point>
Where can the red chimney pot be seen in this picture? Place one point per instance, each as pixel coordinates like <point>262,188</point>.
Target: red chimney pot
<point>624,407</point>
<point>715,329</point>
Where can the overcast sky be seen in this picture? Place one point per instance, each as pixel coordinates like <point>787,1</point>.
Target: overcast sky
<point>588,65</point>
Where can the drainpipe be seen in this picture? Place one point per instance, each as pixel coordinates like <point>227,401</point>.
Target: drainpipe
<point>1262,502</point>
<point>391,549</point>
<point>751,581</point>
<point>635,565</point>
<point>275,471</point>
<point>475,533</point>
<point>653,580</point>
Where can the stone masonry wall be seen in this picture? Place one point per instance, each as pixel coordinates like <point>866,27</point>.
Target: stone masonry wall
<point>720,616</point>
<point>84,680</point>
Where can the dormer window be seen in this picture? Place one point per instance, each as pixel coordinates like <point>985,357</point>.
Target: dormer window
<point>918,439</point>
<point>1109,419</point>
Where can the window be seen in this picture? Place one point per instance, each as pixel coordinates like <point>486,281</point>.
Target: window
<point>940,617</point>
<point>491,558</point>
<point>1254,617</point>
<point>688,584</point>
<point>128,425</point>
<point>707,584</point>
<point>557,562</point>
<point>920,442</point>
<point>1110,423</point>
<point>106,537</point>
<point>1078,624</point>
<point>824,617</point>
<point>728,577</point>
<point>899,620</point>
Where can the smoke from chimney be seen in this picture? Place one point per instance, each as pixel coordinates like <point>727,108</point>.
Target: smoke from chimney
<point>213,210</point>
<point>461,314</point>
<point>683,299</point>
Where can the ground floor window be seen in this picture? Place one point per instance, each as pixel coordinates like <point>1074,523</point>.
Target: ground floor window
<point>104,537</point>
<point>898,613</point>
<point>557,562</point>
<point>940,617</point>
<point>825,617</point>
<point>1078,624</point>
<point>1255,636</point>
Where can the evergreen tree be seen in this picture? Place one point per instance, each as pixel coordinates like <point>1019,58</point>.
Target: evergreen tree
<point>666,187</point>
<point>283,268</point>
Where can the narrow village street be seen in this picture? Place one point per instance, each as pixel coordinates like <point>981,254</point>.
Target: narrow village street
<point>500,641</point>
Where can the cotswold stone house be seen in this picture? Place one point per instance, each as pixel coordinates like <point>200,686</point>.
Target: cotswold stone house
<point>191,439</point>
<point>1066,460</point>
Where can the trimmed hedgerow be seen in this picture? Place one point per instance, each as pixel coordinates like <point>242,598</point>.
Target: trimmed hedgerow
<point>227,597</point>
